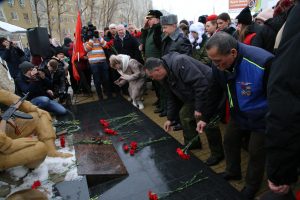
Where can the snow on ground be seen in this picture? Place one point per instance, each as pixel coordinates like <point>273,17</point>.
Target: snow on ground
<point>56,166</point>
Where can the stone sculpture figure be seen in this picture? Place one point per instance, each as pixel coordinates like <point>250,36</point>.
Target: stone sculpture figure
<point>16,146</point>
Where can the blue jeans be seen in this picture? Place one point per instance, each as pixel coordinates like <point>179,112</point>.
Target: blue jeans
<point>49,105</point>
<point>101,77</point>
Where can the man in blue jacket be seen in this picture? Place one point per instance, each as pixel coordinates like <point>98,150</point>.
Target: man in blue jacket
<point>241,71</point>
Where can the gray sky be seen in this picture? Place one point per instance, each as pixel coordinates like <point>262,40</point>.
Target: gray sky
<point>192,9</point>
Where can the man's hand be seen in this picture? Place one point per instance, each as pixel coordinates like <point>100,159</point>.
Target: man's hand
<point>19,144</point>
<point>200,126</point>
<point>117,82</point>
<point>50,92</point>
<point>41,74</point>
<point>278,189</point>
<point>141,47</point>
<point>167,126</point>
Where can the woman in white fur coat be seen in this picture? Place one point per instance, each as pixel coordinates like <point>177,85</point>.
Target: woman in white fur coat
<point>131,71</point>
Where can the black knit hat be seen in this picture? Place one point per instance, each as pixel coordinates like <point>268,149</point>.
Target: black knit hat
<point>202,19</point>
<point>245,16</point>
<point>25,66</point>
<point>59,50</point>
<point>154,14</point>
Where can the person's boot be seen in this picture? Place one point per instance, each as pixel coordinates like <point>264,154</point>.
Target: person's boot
<point>158,110</point>
<point>227,176</point>
<point>140,104</point>
<point>213,160</point>
<point>134,103</point>
<point>177,127</point>
<point>163,114</point>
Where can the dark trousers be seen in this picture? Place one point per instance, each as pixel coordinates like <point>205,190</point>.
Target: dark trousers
<point>188,122</point>
<point>232,145</point>
<point>214,139</point>
<point>213,134</point>
<point>100,77</point>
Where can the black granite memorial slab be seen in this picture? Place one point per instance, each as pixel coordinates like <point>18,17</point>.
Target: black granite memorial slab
<point>156,167</point>
<point>98,162</point>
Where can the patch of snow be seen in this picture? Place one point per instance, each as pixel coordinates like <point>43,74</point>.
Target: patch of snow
<point>49,166</point>
<point>18,172</point>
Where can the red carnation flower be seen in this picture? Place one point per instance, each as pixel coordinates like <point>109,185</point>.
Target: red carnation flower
<point>182,154</point>
<point>133,145</point>
<point>36,184</point>
<point>110,131</point>
<point>131,152</point>
<point>62,141</point>
<point>126,148</point>
<point>152,196</point>
<point>105,125</point>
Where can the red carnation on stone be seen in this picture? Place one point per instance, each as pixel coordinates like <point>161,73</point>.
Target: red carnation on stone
<point>133,145</point>
<point>104,123</point>
<point>126,148</point>
<point>110,131</point>
<point>182,154</point>
<point>36,184</point>
<point>152,196</point>
<point>131,152</point>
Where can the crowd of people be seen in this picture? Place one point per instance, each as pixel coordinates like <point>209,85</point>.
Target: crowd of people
<point>242,74</point>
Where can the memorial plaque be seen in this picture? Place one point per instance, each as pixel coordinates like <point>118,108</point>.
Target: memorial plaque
<point>98,162</point>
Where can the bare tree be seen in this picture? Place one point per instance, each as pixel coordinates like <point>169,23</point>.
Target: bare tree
<point>38,19</point>
<point>49,8</point>
<point>60,10</point>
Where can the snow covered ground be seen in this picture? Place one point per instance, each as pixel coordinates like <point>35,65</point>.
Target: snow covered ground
<point>51,171</point>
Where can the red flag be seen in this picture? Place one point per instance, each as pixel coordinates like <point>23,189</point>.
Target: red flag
<point>78,49</point>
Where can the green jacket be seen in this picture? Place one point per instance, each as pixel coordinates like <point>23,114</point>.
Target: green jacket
<point>200,53</point>
<point>151,40</point>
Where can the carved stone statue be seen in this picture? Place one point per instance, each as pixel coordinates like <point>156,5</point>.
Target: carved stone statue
<point>16,148</point>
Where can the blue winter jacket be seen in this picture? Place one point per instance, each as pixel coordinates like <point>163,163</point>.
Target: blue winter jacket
<point>245,86</point>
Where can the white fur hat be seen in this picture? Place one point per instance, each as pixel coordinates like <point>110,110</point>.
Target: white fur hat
<point>265,14</point>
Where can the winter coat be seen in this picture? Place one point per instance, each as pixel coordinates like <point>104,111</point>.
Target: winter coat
<point>283,119</point>
<point>266,37</point>
<point>245,86</point>
<point>178,42</point>
<point>152,41</point>
<point>58,81</point>
<point>128,46</point>
<point>187,80</point>
<point>133,73</point>
<point>199,51</point>
<point>35,88</point>
<point>13,57</point>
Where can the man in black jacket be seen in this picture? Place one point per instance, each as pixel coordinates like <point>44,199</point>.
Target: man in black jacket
<point>283,119</point>
<point>38,85</point>
<point>126,44</point>
<point>174,39</point>
<point>187,79</point>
